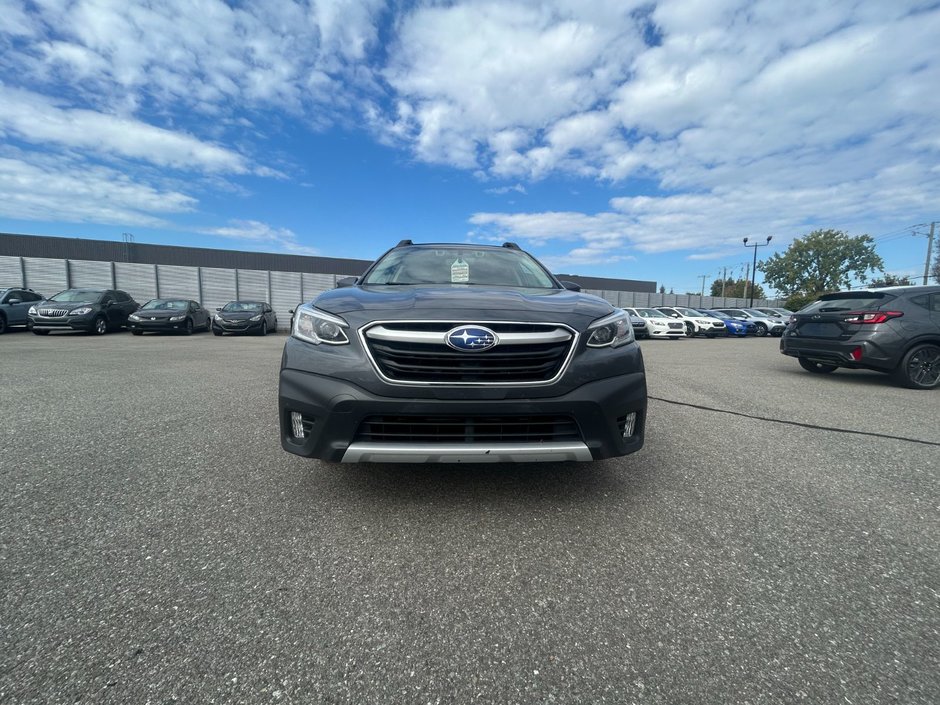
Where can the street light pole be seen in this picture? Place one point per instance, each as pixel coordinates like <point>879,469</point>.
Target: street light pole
<point>754,267</point>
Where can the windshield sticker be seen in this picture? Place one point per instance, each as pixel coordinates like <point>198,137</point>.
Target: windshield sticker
<point>459,272</point>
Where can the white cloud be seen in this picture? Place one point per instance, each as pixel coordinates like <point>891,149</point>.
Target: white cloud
<point>262,234</point>
<point>51,189</point>
<point>35,118</point>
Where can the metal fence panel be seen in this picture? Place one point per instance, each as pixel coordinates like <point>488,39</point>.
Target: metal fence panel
<point>315,284</point>
<point>90,273</point>
<point>177,282</point>
<point>47,276</point>
<point>11,273</point>
<point>252,285</point>
<point>138,280</point>
<point>285,295</point>
<point>218,287</point>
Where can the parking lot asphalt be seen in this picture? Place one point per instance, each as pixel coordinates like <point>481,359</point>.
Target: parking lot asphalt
<point>157,545</point>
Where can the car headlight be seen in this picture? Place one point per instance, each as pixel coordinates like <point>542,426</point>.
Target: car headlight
<point>218,316</point>
<point>703,322</point>
<point>32,311</point>
<point>255,318</point>
<point>613,331</point>
<point>134,317</point>
<point>178,318</point>
<point>80,311</point>
<point>315,326</point>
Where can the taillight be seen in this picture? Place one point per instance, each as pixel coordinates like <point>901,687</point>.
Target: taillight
<point>865,317</point>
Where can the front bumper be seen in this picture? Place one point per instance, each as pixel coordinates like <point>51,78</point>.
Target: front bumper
<point>83,323</point>
<point>157,326</point>
<point>333,411</point>
<point>236,327</point>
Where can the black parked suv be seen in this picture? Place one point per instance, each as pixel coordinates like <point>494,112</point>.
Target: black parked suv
<point>894,330</point>
<point>92,310</point>
<point>460,353</point>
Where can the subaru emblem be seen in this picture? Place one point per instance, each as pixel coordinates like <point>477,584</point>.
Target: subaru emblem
<point>471,338</point>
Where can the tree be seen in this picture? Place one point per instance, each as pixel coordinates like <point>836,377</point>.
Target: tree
<point>824,260</point>
<point>662,290</point>
<point>935,272</point>
<point>737,289</point>
<point>890,280</point>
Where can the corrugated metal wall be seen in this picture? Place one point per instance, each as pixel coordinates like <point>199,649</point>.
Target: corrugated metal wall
<point>214,287</point>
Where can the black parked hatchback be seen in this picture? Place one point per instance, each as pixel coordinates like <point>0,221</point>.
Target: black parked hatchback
<point>894,330</point>
<point>91,310</point>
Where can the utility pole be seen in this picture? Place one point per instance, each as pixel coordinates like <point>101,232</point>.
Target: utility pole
<point>933,225</point>
<point>724,278</point>
<point>754,267</point>
<point>703,277</point>
<point>747,277</point>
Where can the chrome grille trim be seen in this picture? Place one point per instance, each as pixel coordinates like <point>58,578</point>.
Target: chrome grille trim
<point>53,312</point>
<point>448,324</point>
<point>379,332</point>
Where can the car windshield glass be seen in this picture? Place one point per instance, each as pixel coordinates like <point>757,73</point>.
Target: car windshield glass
<point>460,266</point>
<point>77,296</point>
<point>847,301</point>
<point>164,305</point>
<point>689,312</point>
<point>651,313</point>
<point>236,306</point>
<point>755,312</point>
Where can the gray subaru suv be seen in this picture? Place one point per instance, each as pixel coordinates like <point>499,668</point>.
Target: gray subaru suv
<point>894,330</point>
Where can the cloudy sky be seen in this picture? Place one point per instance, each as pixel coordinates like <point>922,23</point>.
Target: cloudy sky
<point>614,138</point>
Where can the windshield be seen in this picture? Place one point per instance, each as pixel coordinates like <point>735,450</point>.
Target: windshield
<point>236,306</point>
<point>689,312</point>
<point>651,313</point>
<point>460,265</point>
<point>165,305</point>
<point>78,295</point>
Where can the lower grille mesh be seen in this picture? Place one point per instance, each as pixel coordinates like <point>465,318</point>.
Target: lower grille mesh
<point>467,429</point>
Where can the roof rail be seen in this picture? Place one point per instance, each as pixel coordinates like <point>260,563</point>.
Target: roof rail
<point>511,246</point>
<point>404,243</point>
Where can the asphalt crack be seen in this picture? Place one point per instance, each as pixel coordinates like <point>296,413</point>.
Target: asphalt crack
<point>817,427</point>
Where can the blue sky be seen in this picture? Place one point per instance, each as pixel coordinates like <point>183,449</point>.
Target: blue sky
<point>623,139</point>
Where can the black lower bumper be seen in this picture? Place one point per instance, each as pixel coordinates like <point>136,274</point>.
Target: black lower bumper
<point>82,323</point>
<point>333,412</point>
<point>853,354</point>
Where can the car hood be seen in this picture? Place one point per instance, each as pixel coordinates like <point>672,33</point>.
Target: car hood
<point>67,305</point>
<point>462,302</point>
<point>159,314</point>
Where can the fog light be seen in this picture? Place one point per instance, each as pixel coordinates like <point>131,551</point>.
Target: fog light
<point>297,424</point>
<point>629,424</point>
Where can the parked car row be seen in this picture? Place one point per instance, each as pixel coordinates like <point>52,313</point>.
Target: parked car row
<point>685,322</point>
<point>98,311</point>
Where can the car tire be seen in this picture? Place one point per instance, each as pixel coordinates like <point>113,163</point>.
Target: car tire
<point>920,367</point>
<point>689,329</point>
<point>817,367</point>
<point>264,328</point>
<point>760,330</point>
<point>3,324</point>
<point>215,331</point>
<point>99,326</point>
<point>188,330</point>
<point>137,332</point>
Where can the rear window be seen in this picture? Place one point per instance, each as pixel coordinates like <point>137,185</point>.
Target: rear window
<point>848,301</point>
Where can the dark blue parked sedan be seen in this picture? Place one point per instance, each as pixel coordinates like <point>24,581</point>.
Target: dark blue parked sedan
<point>734,326</point>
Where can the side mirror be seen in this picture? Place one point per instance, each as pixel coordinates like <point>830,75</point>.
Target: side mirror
<point>15,301</point>
<point>346,281</point>
<point>674,315</point>
<point>218,308</point>
<point>571,286</point>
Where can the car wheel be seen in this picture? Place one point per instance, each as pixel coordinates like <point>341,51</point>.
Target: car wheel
<point>3,324</point>
<point>100,326</point>
<point>817,367</point>
<point>920,367</point>
<point>137,332</point>
<point>264,328</point>
<point>760,330</point>
<point>216,331</point>
<point>689,329</point>
<point>188,330</point>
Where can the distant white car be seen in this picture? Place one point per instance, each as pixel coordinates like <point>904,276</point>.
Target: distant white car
<point>764,324</point>
<point>776,312</point>
<point>695,322</point>
<point>658,324</point>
